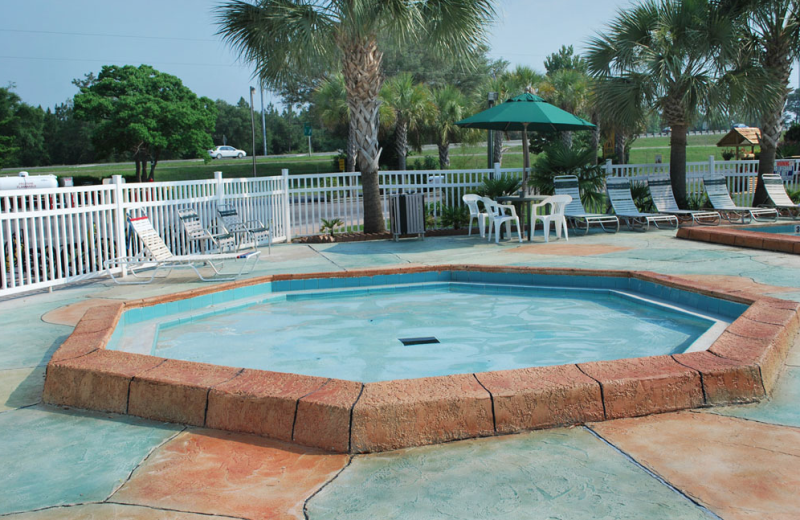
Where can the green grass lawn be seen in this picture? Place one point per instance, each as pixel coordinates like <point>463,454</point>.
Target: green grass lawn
<point>643,150</point>
<point>699,147</point>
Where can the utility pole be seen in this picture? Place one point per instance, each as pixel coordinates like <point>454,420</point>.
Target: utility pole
<point>492,97</point>
<point>253,127</point>
<point>263,121</point>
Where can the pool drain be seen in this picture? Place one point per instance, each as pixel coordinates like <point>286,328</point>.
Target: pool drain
<point>417,341</point>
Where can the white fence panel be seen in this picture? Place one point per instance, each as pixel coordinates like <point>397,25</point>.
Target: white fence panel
<point>51,236</point>
<point>339,195</point>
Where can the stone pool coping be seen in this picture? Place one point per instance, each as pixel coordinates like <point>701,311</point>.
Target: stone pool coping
<point>751,239</point>
<point>742,365</point>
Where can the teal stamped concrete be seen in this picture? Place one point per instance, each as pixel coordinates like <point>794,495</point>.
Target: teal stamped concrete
<point>53,457</point>
<point>782,408</point>
<point>541,475</point>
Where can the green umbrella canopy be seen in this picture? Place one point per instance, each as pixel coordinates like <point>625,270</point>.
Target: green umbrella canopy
<point>523,113</point>
<point>526,110</point>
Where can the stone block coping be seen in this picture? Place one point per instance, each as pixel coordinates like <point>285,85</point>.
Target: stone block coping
<point>741,366</point>
<point>743,238</point>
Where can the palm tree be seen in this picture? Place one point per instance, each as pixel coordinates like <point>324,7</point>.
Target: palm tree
<point>412,107</point>
<point>773,29</point>
<point>568,89</point>
<point>451,106</point>
<point>330,99</point>
<point>677,57</point>
<point>282,37</point>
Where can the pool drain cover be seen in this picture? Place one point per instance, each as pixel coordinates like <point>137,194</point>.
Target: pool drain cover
<point>418,341</point>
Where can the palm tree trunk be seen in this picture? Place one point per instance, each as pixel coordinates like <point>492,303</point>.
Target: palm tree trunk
<point>595,141</point>
<point>772,121</point>
<point>351,146</point>
<point>444,155</point>
<point>498,147</point>
<point>677,163</point>
<point>401,143</point>
<point>619,147</point>
<point>566,138</point>
<point>361,66</point>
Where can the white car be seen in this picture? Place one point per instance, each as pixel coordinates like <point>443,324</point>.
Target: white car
<point>226,151</point>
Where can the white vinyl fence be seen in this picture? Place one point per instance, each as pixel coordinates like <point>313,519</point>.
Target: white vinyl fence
<point>54,236</point>
<point>51,237</point>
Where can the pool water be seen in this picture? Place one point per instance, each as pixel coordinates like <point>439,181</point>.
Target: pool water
<point>356,336</point>
<point>789,229</point>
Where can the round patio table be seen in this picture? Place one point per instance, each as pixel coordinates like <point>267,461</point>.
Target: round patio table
<point>528,200</point>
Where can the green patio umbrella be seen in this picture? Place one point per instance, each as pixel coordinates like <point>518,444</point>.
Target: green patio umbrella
<point>522,113</point>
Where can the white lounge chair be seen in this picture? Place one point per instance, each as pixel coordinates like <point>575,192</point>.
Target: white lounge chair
<point>568,185</point>
<point>158,257</point>
<point>475,213</point>
<point>195,232</point>
<point>555,215</point>
<point>619,193</point>
<point>717,189</point>
<point>499,214</point>
<point>777,194</point>
<point>248,231</point>
<point>661,193</point>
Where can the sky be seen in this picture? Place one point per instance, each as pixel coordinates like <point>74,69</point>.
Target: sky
<point>45,44</point>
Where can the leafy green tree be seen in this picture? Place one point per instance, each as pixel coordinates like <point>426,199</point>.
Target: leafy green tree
<point>773,29</point>
<point>8,121</point>
<point>21,131</point>
<point>565,59</point>
<point>568,89</point>
<point>281,37</point>
<point>67,139</point>
<point>145,112</point>
<point>233,126</point>
<point>412,106</point>
<point>677,57</point>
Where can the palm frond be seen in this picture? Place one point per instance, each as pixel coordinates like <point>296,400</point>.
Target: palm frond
<point>270,33</point>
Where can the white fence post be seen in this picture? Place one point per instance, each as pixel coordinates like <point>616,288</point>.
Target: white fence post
<point>120,220</point>
<point>609,168</point>
<point>496,174</point>
<point>220,187</point>
<point>711,164</point>
<point>287,213</point>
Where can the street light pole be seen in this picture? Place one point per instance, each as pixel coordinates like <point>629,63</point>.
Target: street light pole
<point>263,121</point>
<point>492,97</point>
<point>253,127</point>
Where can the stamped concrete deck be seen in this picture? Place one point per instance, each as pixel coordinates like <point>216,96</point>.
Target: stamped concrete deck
<point>736,462</point>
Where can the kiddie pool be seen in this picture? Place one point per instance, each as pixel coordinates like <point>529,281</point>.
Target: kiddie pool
<point>383,359</point>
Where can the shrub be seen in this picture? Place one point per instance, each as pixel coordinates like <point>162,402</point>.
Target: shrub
<point>455,216</point>
<point>559,159</point>
<point>498,187</point>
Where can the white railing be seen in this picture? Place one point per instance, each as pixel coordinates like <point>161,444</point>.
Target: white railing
<point>54,236</point>
<point>339,195</point>
<point>50,237</point>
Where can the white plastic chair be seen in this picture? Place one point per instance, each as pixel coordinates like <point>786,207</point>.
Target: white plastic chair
<point>556,215</point>
<point>475,213</point>
<point>498,215</point>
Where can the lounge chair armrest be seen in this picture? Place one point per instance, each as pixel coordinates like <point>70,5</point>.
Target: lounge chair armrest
<point>256,222</point>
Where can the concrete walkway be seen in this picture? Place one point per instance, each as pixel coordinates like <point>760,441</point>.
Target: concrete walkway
<point>735,462</point>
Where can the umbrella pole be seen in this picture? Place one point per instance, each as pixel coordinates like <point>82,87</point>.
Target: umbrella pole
<point>526,159</point>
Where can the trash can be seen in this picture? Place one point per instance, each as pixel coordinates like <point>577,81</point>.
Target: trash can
<point>407,214</point>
